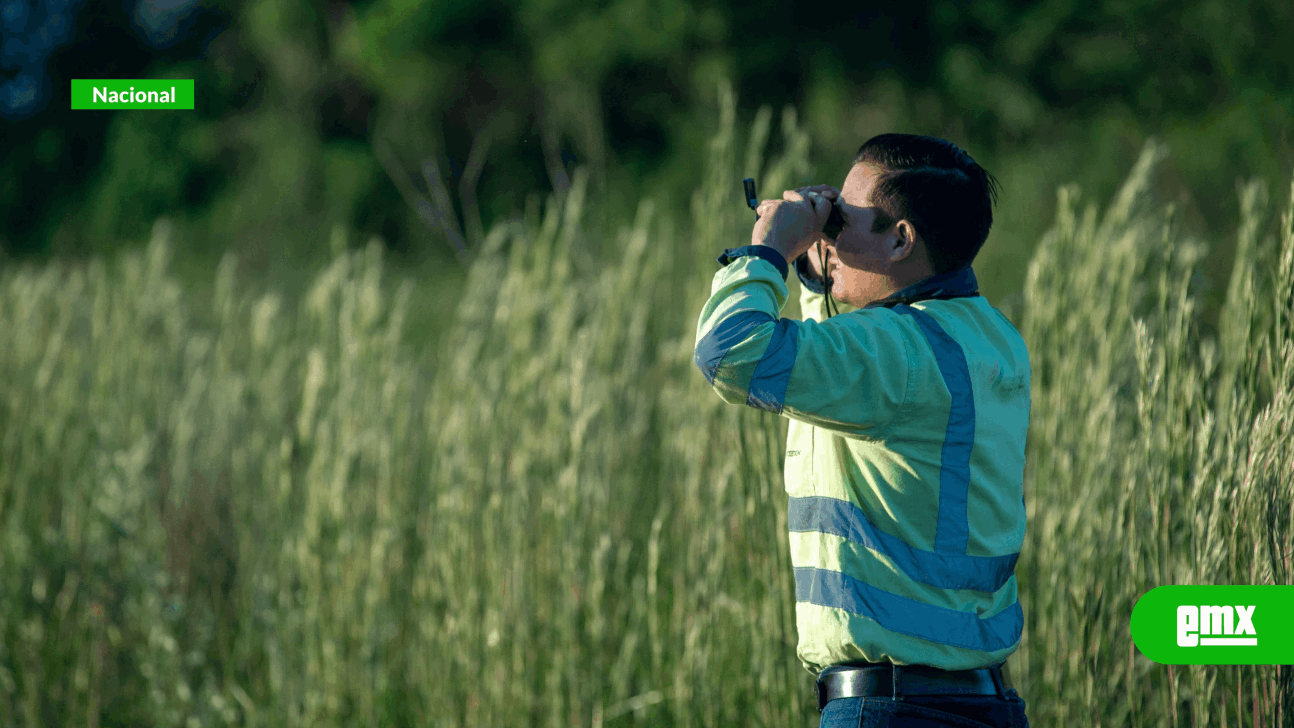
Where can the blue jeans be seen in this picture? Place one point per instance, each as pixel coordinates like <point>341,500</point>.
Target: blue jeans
<point>927,711</point>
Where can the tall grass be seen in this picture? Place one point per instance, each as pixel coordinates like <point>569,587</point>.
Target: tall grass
<point>1154,457</point>
<point>293,519</point>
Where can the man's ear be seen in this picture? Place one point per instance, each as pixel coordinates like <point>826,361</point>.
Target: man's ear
<point>905,240</point>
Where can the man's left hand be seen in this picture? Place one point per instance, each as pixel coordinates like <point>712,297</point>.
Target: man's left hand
<point>792,224</point>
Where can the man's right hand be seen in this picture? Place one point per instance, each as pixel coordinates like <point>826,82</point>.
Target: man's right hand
<point>815,265</point>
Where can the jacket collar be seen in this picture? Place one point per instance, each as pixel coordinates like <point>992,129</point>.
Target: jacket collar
<point>958,283</point>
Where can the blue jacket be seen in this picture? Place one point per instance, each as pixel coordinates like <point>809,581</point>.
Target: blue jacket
<point>904,462</point>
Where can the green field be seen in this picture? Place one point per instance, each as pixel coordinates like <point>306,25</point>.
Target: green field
<point>238,512</point>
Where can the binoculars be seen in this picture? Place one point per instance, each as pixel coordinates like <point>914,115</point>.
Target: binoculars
<point>835,222</point>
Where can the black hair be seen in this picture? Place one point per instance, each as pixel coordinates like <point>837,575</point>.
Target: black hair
<point>937,187</point>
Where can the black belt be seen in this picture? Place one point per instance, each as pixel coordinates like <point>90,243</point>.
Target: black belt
<point>851,680</point>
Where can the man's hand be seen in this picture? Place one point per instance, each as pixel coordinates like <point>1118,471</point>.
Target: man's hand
<point>792,224</point>
<point>815,266</point>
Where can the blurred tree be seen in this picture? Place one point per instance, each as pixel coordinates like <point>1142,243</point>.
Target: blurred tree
<point>504,98</point>
<point>52,154</point>
<point>29,34</point>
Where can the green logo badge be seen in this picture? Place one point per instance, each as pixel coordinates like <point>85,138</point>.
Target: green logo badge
<point>118,94</point>
<point>1216,625</point>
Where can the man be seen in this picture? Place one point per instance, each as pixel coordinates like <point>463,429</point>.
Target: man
<point>905,454</point>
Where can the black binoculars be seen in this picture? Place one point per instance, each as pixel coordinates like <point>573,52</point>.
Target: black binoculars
<point>835,222</point>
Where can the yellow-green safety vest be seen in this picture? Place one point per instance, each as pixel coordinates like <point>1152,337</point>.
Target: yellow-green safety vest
<point>904,460</point>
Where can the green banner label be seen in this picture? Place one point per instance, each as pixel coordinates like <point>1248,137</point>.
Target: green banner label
<point>166,93</point>
<point>1216,625</point>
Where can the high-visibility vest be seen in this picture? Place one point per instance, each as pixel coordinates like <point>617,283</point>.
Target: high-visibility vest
<point>904,461</point>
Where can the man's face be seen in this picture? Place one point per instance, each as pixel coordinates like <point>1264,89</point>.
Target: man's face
<point>867,266</point>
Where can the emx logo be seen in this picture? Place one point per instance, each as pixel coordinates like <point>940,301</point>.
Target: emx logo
<point>1216,621</point>
<point>1215,625</point>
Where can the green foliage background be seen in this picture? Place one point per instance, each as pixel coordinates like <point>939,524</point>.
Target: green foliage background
<point>296,96</point>
<point>291,517</point>
<point>277,466</point>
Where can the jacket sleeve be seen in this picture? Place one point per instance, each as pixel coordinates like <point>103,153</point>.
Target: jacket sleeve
<point>848,374</point>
